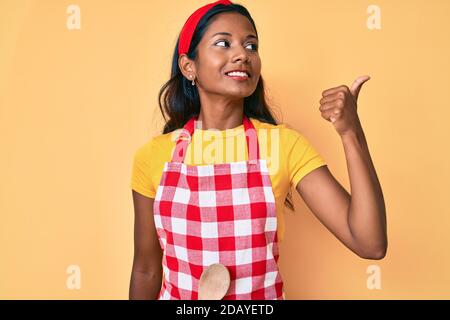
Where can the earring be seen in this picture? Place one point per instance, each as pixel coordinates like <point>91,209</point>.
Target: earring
<point>193,82</point>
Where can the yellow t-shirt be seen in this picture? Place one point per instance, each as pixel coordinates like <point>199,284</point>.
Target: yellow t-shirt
<point>288,153</point>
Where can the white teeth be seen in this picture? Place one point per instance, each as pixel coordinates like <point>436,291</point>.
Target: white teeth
<point>239,74</point>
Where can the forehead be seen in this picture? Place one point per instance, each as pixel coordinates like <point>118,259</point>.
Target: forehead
<point>231,22</point>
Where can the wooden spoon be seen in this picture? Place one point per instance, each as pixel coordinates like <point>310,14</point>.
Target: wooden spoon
<point>214,282</point>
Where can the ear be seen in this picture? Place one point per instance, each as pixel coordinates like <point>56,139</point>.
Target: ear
<point>186,66</point>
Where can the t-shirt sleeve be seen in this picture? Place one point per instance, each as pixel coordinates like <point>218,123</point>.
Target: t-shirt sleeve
<point>302,158</point>
<point>141,171</point>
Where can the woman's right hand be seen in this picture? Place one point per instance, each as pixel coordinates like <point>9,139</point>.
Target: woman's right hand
<point>146,275</point>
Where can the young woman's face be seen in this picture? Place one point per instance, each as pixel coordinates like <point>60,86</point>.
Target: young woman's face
<point>221,53</point>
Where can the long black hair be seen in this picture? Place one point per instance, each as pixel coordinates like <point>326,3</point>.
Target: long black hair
<point>179,100</point>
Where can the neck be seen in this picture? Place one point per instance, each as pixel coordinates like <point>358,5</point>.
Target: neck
<point>221,117</point>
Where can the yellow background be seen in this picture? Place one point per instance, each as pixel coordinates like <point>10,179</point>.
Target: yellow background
<point>76,104</point>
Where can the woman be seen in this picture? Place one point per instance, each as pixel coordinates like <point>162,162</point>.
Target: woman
<point>193,213</point>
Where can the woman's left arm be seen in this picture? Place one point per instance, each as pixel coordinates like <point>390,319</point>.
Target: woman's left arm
<point>359,219</point>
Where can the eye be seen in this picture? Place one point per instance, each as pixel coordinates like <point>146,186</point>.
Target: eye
<point>224,41</point>
<point>253,44</point>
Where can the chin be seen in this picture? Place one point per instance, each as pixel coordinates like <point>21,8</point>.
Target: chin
<point>240,92</point>
<point>238,95</point>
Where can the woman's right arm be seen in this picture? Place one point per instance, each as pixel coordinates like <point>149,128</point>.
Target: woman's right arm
<point>146,275</point>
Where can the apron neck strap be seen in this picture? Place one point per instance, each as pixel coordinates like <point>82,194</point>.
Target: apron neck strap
<point>185,136</point>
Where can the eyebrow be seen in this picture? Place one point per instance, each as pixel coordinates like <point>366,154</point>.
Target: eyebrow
<point>229,34</point>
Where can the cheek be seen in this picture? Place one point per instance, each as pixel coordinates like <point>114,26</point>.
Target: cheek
<point>213,71</point>
<point>256,67</point>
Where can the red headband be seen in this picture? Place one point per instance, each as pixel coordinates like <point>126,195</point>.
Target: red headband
<point>191,23</point>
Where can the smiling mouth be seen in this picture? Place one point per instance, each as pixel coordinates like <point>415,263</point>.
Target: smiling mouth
<point>238,73</point>
<point>238,77</point>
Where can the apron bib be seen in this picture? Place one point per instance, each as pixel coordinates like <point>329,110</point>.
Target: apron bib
<point>218,213</point>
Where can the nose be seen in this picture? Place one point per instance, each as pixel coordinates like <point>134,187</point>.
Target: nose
<point>240,54</point>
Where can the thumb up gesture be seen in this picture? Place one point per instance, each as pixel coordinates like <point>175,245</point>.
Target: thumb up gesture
<point>339,105</point>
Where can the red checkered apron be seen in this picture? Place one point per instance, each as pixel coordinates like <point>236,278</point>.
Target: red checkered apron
<point>218,213</point>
